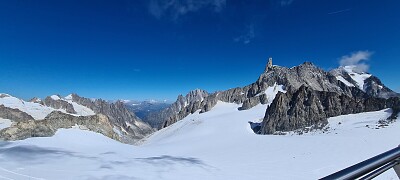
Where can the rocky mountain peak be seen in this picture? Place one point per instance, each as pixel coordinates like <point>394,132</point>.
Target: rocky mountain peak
<point>3,95</point>
<point>72,108</point>
<point>306,80</point>
<point>36,100</point>
<point>352,76</point>
<point>196,95</point>
<point>269,64</point>
<point>56,102</point>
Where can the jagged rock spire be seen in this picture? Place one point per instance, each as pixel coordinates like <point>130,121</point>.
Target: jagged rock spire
<point>269,64</point>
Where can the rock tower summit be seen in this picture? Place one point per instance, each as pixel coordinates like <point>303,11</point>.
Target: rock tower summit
<point>269,64</point>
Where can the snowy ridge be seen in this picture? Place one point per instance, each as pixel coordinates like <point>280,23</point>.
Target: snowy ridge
<point>273,90</point>
<point>80,110</point>
<point>358,77</point>
<point>55,97</point>
<point>36,110</point>
<point>340,78</point>
<point>39,111</point>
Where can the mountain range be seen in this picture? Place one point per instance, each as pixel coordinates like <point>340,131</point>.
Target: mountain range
<point>306,96</point>
<point>298,97</point>
<point>303,119</point>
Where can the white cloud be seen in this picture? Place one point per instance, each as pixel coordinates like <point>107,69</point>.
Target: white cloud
<point>176,8</point>
<point>357,59</point>
<point>247,36</point>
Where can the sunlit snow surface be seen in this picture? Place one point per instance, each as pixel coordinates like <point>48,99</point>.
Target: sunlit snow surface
<point>39,111</point>
<point>218,144</point>
<point>340,78</point>
<point>358,77</point>
<point>36,110</point>
<point>5,123</point>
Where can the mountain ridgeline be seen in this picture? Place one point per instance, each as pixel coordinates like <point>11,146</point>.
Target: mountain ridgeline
<point>38,118</point>
<point>298,97</point>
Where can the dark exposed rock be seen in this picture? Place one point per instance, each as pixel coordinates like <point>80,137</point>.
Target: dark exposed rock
<point>307,107</point>
<point>36,100</point>
<point>374,87</point>
<point>54,121</point>
<point>14,114</point>
<point>310,112</point>
<point>119,116</point>
<point>59,104</point>
<point>2,95</point>
<point>253,94</point>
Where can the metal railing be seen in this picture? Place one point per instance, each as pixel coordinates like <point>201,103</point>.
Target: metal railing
<point>371,168</point>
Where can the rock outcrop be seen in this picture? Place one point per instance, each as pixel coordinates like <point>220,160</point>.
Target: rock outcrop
<point>15,115</point>
<point>305,75</point>
<point>307,107</point>
<point>43,128</point>
<point>371,85</point>
<point>59,104</point>
<point>36,100</point>
<point>254,93</point>
<point>125,121</point>
<point>374,87</point>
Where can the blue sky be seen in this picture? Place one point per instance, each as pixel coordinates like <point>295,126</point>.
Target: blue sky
<point>157,49</point>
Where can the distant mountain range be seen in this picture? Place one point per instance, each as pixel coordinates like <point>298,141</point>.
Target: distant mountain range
<point>44,117</point>
<point>142,109</point>
<point>305,96</point>
<point>298,97</point>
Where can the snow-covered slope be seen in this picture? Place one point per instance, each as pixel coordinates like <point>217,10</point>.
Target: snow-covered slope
<point>357,77</point>
<point>5,123</point>
<point>39,111</point>
<point>36,110</point>
<point>80,110</point>
<point>201,146</point>
<point>340,78</point>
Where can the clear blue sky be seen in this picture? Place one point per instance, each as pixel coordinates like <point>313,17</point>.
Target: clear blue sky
<point>157,49</point>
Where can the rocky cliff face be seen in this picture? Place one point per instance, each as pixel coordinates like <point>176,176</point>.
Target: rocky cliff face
<point>56,120</point>
<point>366,82</point>
<point>307,85</point>
<point>125,121</point>
<point>181,107</point>
<point>14,114</point>
<point>58,103</point>
<point>36,100</point>
<point>374,87</point>
<point>323,95</point>
<point>307,107</point>
<point>275,77</point>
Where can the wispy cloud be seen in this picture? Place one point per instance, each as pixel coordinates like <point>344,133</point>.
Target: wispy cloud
<point>340,11</point>
<point>286,2</point>
<point>177,8</point>
<point>247,36</point>
<point>357,59</point>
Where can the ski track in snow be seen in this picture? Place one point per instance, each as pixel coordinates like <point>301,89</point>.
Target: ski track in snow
<point>18,174</point>
<point>218,144</point>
